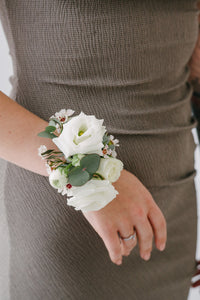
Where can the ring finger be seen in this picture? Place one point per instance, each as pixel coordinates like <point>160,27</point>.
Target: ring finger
<point>127,245</point>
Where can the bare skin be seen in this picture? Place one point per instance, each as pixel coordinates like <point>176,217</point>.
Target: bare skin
<point>19,140</point>
<point>133,206</point>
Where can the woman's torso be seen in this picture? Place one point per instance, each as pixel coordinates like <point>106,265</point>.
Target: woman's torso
<point>123,61</point>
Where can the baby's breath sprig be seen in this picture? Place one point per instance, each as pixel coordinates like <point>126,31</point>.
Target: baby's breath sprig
<point>109,146</point>
<point>55,127</point>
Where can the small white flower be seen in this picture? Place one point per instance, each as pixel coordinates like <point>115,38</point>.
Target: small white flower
<point>41,150</point>
<point>114,141</point>
<point>63,115</point>
<point>64,190</point>
<point>106,151</point>
<point>58,128</point>
<point>114,153</point>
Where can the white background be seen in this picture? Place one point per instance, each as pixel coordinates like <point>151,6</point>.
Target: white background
<point>6,71</point>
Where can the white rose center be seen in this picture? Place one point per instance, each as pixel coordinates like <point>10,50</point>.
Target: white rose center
<point>81,135</point>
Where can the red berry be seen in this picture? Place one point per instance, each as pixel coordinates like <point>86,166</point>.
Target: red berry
<point>69,186</point>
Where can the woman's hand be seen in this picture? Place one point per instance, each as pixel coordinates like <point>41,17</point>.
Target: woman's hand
<point>132,207</point>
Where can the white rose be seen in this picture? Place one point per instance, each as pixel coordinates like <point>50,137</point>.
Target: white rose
<point>110,168</point>
<point>93,195</point>
<point>57,179</point>
<point>91,135</point>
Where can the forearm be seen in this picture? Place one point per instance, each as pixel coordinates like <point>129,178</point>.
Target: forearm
<point>19,141</point>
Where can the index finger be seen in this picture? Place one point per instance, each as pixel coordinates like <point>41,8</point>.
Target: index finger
<point>113,245</point>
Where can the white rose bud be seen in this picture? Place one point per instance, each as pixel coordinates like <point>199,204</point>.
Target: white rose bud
<point>57,179</point>
<point>110,168</point>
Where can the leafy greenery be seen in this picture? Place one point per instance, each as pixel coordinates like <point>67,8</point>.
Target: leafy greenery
<point>111,146</point>
<point>67,169</point>
<point>54,158</point>
<point>78,176</point>
<point>47,152</point>
<point>50,129</point>
<point>54,121</point>
<point>81,174</point>
<point>106,139</point>
<point>47,135</point>
<point>90,162</point>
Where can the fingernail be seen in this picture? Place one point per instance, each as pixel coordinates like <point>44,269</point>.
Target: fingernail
<point>119,262</point>
<point>162,247</point>
<point>147,256</point>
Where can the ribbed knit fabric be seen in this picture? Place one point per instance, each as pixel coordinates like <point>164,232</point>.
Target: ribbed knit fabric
<point>124,61</point>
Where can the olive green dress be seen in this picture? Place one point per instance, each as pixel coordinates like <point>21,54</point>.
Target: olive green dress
<point>124,61</point>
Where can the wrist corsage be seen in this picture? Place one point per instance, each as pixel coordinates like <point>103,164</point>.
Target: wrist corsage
<point>86,164</point>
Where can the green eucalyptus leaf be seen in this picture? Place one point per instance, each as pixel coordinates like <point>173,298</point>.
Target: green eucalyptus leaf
<point>91,175</point>
<point>50,129</point>
<point>77,176</point>
<point>47,135</point>
<point>90,162</point>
